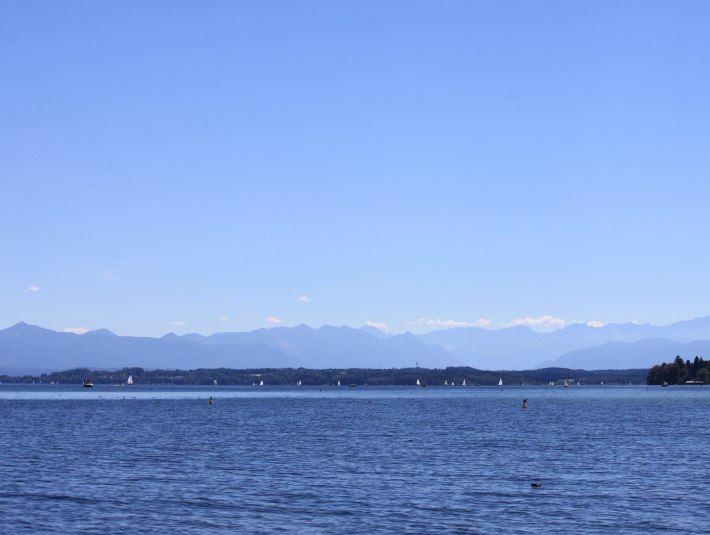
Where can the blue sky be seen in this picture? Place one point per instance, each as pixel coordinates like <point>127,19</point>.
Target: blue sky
<point>204,167</point>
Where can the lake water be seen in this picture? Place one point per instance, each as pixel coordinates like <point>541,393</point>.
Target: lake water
<point>361,460</point>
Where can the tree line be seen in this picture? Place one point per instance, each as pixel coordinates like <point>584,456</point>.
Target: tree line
<point>350,376</point>
<point>680,372</point>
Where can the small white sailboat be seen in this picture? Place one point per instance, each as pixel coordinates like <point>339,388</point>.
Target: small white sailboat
<point>338,383</point>
<point>261,383</point>
<point>602,383</point>
<point>418,383</point>
<point>298,383</point>
<point>463,383</point>
<point>446,383</point>
<point>215,382</point>
<point>566,385</point>
<point>129,381</point>
<point>500,382</point>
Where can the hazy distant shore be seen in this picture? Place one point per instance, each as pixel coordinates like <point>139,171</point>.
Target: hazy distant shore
<point>451,376</point>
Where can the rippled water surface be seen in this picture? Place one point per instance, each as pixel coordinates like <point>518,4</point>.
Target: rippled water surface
<point>363,460</point>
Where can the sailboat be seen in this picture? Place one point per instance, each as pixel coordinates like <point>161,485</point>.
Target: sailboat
<point>418,383</point>
<point>129,381</point>
<point>87,384</point>
<point>338,382</point>
<point>298,383</point>
<point>566,385</point>
<point>463,383</point>
<point>215,382</point>
<point>261,383</point>
<point>446,382</point>
<point>500,382</point>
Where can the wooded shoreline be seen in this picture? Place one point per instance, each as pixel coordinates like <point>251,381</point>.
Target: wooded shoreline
<point>355,376</point>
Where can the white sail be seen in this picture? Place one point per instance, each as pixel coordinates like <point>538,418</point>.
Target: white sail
<point>215,382</point>
<point>261,383</point>
<point>418,383</point>
<point>299,382</point>
<point>338,383</point>
<point>446,382</point>
<point>129,381</point>
<point>463,383</point>
<point>500,382</point>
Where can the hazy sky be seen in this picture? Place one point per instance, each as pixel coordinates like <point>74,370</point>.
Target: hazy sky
<point>213,166</point>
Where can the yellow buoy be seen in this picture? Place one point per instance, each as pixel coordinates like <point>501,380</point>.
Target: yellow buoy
<point>211,401</point>
<point>525,404</point>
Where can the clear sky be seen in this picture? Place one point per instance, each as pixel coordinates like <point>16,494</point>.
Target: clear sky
<point>222,166</point>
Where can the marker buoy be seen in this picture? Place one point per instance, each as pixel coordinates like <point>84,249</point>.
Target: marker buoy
<point>211,401</point>
<point>525,404</point>
<point>535,484</point>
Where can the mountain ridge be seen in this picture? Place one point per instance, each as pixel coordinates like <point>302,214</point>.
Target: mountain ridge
<point>627,345</point>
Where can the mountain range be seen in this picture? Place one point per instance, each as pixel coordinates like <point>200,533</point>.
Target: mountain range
<point>28,348</point>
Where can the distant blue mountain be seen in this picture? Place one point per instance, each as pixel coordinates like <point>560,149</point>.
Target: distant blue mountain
<point>329,347</point>
<point>27,348</point>
<point>374,331</point>
<point>100,332</point>
<point>641,354</point>
<point>522,348</point>
<point>512,348</point>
